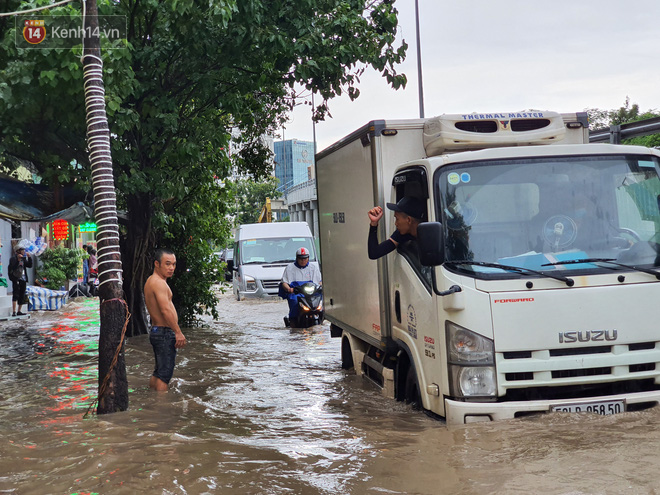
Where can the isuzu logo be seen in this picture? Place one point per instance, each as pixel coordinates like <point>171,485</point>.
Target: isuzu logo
<point>587,336</point>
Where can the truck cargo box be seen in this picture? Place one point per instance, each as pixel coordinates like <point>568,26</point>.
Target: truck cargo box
<point>350,177</point>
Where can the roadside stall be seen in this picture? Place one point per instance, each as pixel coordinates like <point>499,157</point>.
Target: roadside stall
<point>44,221</point>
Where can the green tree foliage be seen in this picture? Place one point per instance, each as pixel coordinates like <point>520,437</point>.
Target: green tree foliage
<point>632,113</point>
<point>599,119</point>
<point>58,265</point>
<point>193,72</point>
<point>251,197</point>
<point>197,267</point>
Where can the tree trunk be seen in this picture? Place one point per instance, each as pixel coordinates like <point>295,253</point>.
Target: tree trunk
<point>115,394</point>
<point>113,385</point>
<point>137,248</point>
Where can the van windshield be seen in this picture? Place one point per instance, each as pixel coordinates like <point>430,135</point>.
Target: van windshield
<point>274,249</point>
<point>535,212</point>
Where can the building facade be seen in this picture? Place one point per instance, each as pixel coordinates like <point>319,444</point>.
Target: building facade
<point>294,163</point>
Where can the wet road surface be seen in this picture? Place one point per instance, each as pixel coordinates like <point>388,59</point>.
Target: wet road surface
<point>257,408</point>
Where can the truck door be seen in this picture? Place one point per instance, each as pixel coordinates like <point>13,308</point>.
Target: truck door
<point>414,315</point>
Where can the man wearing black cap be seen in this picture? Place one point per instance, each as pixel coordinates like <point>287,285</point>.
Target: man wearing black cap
<point>409,212</point>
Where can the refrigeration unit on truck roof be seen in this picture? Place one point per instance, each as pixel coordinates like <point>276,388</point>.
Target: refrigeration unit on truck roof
<point>458,132</point>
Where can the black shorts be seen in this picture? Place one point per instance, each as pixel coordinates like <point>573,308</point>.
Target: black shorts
<point>163,341</point>
<point>18,288</point>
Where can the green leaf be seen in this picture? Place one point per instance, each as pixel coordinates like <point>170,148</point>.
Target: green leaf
<point>45,74</point>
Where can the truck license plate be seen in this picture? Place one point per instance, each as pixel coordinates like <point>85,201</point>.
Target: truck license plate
<point>604,408</point>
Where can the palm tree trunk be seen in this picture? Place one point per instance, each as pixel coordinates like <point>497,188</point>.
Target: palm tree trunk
<point>113,385</point>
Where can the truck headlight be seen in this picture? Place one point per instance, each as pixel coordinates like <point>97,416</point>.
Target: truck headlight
<point>471,359</point>
<point>472,381</point>
<point>250,284</point>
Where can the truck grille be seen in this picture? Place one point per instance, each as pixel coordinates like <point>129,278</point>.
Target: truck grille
<point>568,372</point>
<point>270,285</point>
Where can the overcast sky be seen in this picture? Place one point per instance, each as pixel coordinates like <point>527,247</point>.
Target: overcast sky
<point>508,55</point>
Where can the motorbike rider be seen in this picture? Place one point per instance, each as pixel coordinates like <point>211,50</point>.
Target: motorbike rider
<point>297,273</point>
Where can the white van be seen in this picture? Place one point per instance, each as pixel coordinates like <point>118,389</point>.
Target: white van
<point>262,251</point>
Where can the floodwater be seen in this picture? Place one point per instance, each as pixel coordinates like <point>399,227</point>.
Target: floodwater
<point>257,408</point>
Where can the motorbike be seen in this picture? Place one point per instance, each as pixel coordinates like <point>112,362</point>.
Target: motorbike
<point>306,303</point>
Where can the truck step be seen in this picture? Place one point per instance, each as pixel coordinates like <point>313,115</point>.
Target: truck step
<point>380,375</point>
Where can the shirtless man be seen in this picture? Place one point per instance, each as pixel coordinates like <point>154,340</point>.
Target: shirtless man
<point>165,335</point>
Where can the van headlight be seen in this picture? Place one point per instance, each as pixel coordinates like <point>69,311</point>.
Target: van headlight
<point>471,360</point>
<point>250,284</point>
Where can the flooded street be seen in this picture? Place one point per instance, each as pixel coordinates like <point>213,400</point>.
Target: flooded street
<point>257,408</point>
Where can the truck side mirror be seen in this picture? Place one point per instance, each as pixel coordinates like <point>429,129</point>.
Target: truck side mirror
<point>430,243</point>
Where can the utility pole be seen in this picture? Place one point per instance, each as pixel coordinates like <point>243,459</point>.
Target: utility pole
<point>113,384</point>
<point>313,126</point>
<point>420,83</point>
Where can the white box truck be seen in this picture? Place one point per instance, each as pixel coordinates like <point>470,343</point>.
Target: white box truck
<point>532,285</point>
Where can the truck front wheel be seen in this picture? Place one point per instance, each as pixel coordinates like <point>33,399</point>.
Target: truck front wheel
<point>412,395</point>
<point>346,355</point>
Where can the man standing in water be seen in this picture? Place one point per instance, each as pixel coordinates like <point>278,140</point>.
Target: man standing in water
<point>165,335</point>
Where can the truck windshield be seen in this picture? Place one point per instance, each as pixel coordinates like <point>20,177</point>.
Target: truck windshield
<point>274,250</point>
<point>535,212</point>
